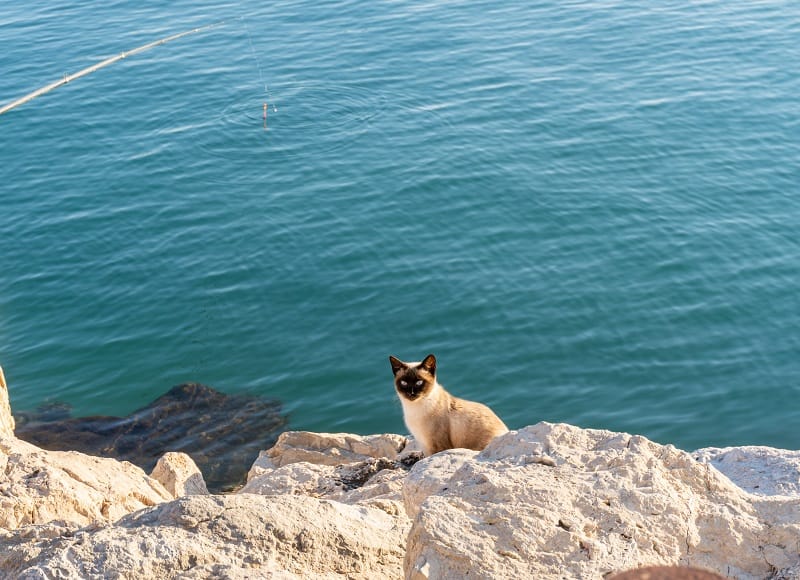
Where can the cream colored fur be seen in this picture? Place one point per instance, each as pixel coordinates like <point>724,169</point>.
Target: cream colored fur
<point>440,421</point>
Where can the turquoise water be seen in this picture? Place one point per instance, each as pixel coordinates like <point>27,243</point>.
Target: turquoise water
<point>588,210</point>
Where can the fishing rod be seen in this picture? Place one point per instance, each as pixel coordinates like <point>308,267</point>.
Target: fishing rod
<point>102,64</point>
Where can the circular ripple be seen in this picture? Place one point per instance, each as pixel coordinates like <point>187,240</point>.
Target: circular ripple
<point>302,118</point>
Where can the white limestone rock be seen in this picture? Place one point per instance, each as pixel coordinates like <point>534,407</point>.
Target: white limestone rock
<point>362,482</point>
<point>759,470</point>
<point>301,478</point>
<point>327,449</point>
<point>554,501</point>
<point>64,489</point>
<point>352,469</point>
<point>6,419</point>
<point>234,536</point>
<point>547,501</point>
<point>179,474</point>
<point>37,487</point>
<point>432,475</point>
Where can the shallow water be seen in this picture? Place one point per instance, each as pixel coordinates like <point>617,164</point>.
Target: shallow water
<point>588,211</point>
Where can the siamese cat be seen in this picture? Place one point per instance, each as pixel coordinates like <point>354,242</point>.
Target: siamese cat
<point>437,419</point>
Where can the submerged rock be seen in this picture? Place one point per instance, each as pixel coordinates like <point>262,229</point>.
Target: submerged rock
<point>222,433</point>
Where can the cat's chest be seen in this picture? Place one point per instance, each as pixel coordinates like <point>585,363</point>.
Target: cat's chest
<point>418,415</point>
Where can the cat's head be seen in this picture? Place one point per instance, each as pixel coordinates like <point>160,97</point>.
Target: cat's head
<point>414,380</point>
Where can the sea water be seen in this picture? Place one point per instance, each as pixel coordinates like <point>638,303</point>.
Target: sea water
<point>589,211</point>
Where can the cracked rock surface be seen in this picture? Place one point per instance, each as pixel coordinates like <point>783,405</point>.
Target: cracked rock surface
<point>609,502</point>
<point>38,487</point>
<point>218,536</point>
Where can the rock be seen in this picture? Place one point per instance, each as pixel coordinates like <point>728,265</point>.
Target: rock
<point>432,475</point>
<point>759,470</point>
<point>179,475</point>
<point>352,469</point>
<point>234,536</point>
<point>67,487</point>
<point>412,452</point>
<point>295,479</point>
<point>6,419</point>
<point>547,501</point>
<point>222,433</point>
<point>376,482</point>
<point>328,449</point>
<point>601,503</point>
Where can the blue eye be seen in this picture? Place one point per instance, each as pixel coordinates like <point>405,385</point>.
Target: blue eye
<point>419,383</point>
<point>404,383</point>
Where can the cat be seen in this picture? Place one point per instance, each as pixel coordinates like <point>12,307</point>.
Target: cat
<point>437,419</point>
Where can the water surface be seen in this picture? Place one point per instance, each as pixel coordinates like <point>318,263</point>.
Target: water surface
<point>587,210</point>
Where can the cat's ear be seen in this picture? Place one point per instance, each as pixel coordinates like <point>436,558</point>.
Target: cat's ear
<point>429,364</point>
<point>397,364</point>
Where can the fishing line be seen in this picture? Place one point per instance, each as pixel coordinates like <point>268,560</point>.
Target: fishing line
<point>255,56</point>
<point>102,64</point>
<point>260,73</point>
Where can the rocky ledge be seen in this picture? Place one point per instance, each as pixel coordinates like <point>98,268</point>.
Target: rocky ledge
<point>546,501</point>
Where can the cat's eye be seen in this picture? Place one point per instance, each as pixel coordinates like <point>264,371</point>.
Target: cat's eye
<point>419,383</point>
<point>404,383</point>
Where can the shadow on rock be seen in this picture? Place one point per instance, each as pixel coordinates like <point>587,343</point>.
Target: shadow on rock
<point>222,433</point>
